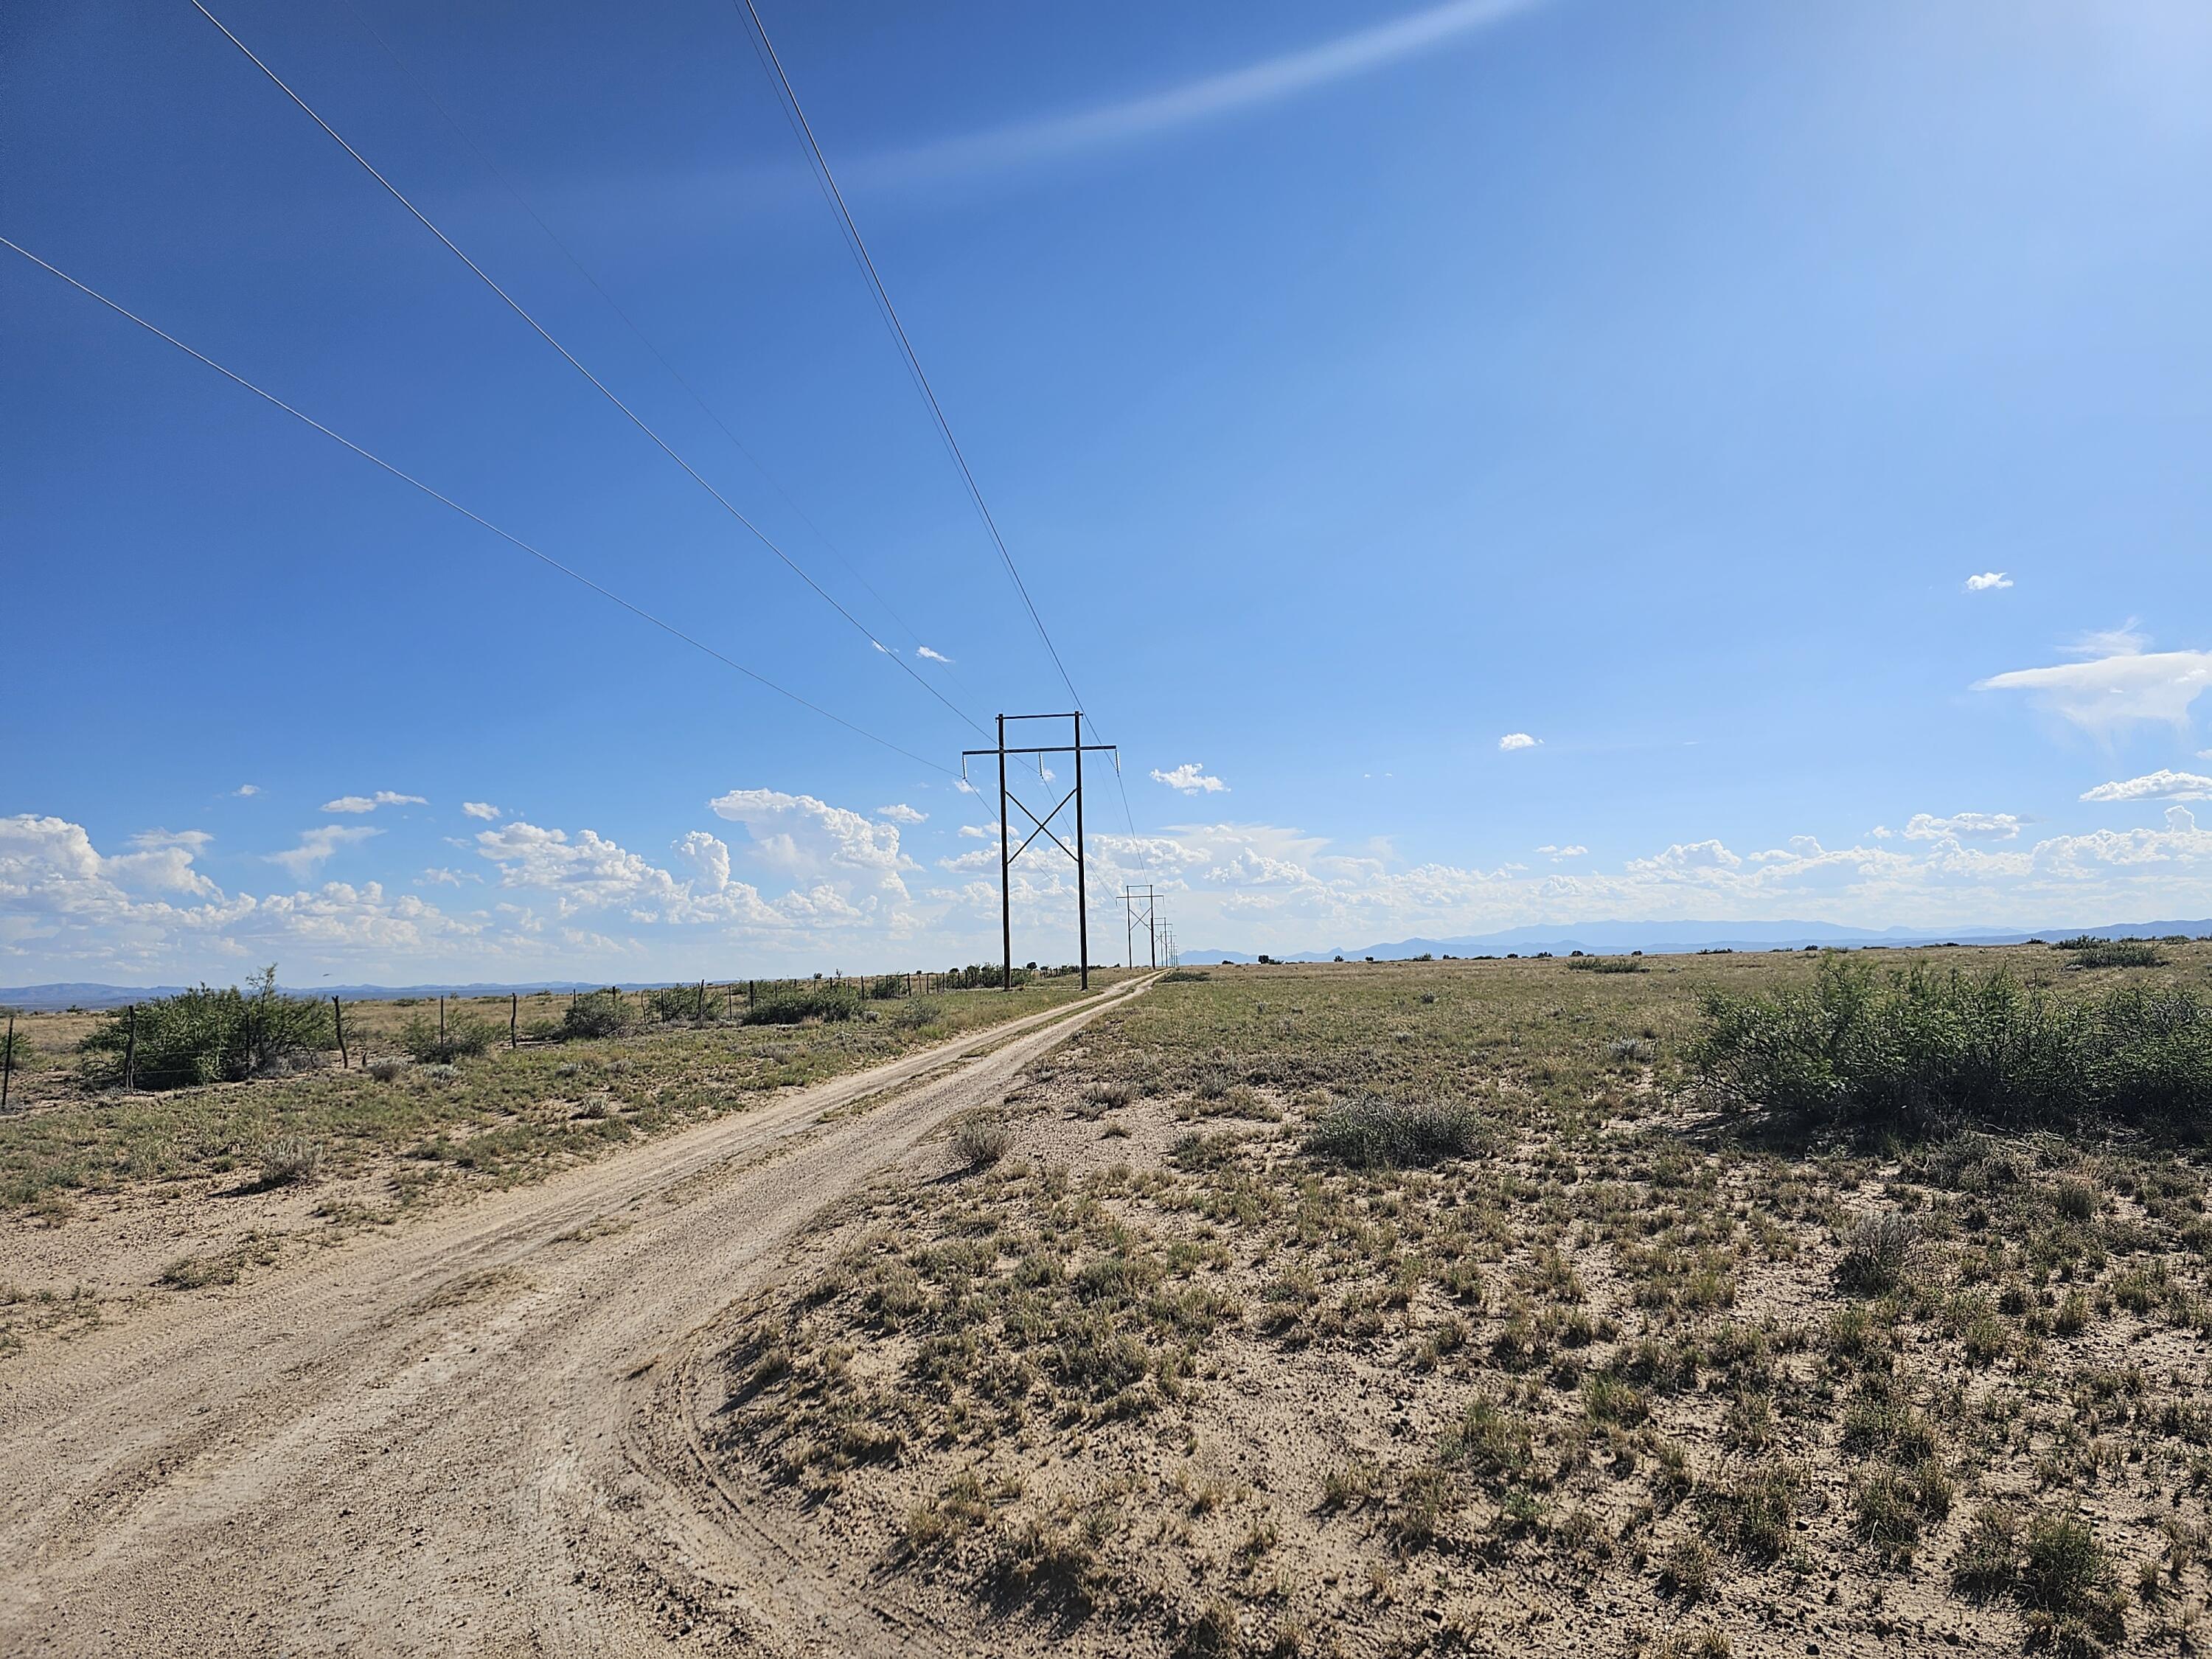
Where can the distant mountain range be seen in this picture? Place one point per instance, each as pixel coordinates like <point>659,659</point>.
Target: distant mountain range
<point>1678,938</point>
<point>73,995</point>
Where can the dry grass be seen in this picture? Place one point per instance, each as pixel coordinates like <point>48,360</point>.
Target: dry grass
<point>1604,1374</point>
<point>487,1118</point>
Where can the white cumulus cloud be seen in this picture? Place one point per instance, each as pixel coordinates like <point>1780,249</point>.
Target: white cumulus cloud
<point>480,809</point>
<point>900,812</point>
<point>1988,580</point>
<point>1963,826</point>
<point>708,858</point>
<point>804,836</point>
<point>370,803</point>
<point>1191,778</point>
<point>933,656</point>
<point>2164,784</point>
<point>1513,740</point>
<point>244,790</point>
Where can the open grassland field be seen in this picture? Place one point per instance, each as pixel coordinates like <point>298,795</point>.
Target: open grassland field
<point>107,1196</point>
<point>1447,1307</point>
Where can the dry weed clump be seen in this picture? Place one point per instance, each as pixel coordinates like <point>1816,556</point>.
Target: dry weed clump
<point>979,1142</point>
<point>1878,1251</point>
<point>287,1159</point>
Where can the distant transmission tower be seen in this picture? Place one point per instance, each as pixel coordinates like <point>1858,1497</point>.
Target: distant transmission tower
<point>1008,852</point>
<point>1141,908</point>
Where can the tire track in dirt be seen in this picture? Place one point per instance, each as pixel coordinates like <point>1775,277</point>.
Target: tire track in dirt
<point>474,1435</point>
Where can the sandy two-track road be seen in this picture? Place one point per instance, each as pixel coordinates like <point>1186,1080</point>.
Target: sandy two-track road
<point>476,1436</point>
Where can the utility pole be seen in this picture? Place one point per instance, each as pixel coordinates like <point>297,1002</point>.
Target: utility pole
<point>1008,852</point>
<point>1148,915</point>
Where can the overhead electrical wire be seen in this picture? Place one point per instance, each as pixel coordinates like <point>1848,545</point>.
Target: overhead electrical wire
<point>859,247</point>
<point>507,182</point>
<point>605,391</point>
<point>436,495</point>
<point>898,331</point>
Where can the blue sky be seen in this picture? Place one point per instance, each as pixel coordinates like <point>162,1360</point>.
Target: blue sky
<point>1485,464</point>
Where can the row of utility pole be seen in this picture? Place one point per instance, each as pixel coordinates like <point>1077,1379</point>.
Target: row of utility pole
<point>1158,937</point>
<point>1140,907</point>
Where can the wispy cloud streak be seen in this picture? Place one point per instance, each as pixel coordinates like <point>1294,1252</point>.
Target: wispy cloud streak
<point>1106,126</point>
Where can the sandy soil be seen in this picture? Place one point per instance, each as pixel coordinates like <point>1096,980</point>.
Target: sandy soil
<point>475,1434</point>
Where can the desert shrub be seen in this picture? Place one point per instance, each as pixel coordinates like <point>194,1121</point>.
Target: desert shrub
<point>1606,964</point>
<point>2074,1198</point>
<point>287,1159</point>
<point>979,1142</point>
<point>1184,976</point>
<point>1106,1096</point>
<point>1892,1503</point>
<point>1631,1051</point>
<point>916,1013</point>
<point>1914,1052</point>
<point>15,1049</point>
<point>2088,951</point>
<point>1877,1251</point>
<point>596,1014</point>
<point>1687,1567</point>
<point>1753,1514</point>
<point>980,977</point>
<point>387,1068</point>
<point>459,1039</point>
<point>802,1002</point>
<point>1368,1130</point>
<point>673,1004</point>
<point>207,1036</point>
<point>2051,1565</point>
<point>887,987</point>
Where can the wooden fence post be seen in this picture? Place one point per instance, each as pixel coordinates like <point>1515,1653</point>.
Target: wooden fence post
<point>338,1014</point>
<point>441,1025</point>
<point>513,1015</point>
<point>7,1062</point>
<point>130,1053</point>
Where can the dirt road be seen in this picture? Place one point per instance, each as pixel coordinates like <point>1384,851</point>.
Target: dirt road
<point>476,1436</point>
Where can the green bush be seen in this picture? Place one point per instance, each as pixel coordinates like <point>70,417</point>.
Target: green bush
<point>2114,953</point>
<point>1918,1053</point>
<point>206,1035</point>
<point>671,1004</point>
<point>803,1003</point>
<point>916,1013</point>
<point>460,1039</point>
<point>1607,964</point>
<point>596,1014</point>
<point>980,977</point>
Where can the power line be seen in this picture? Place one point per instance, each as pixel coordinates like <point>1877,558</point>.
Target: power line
<point>826,181</point>
<point>439,496</point>
<point>514,305</point>
<point>898,330</point>
<point>506,181</point>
